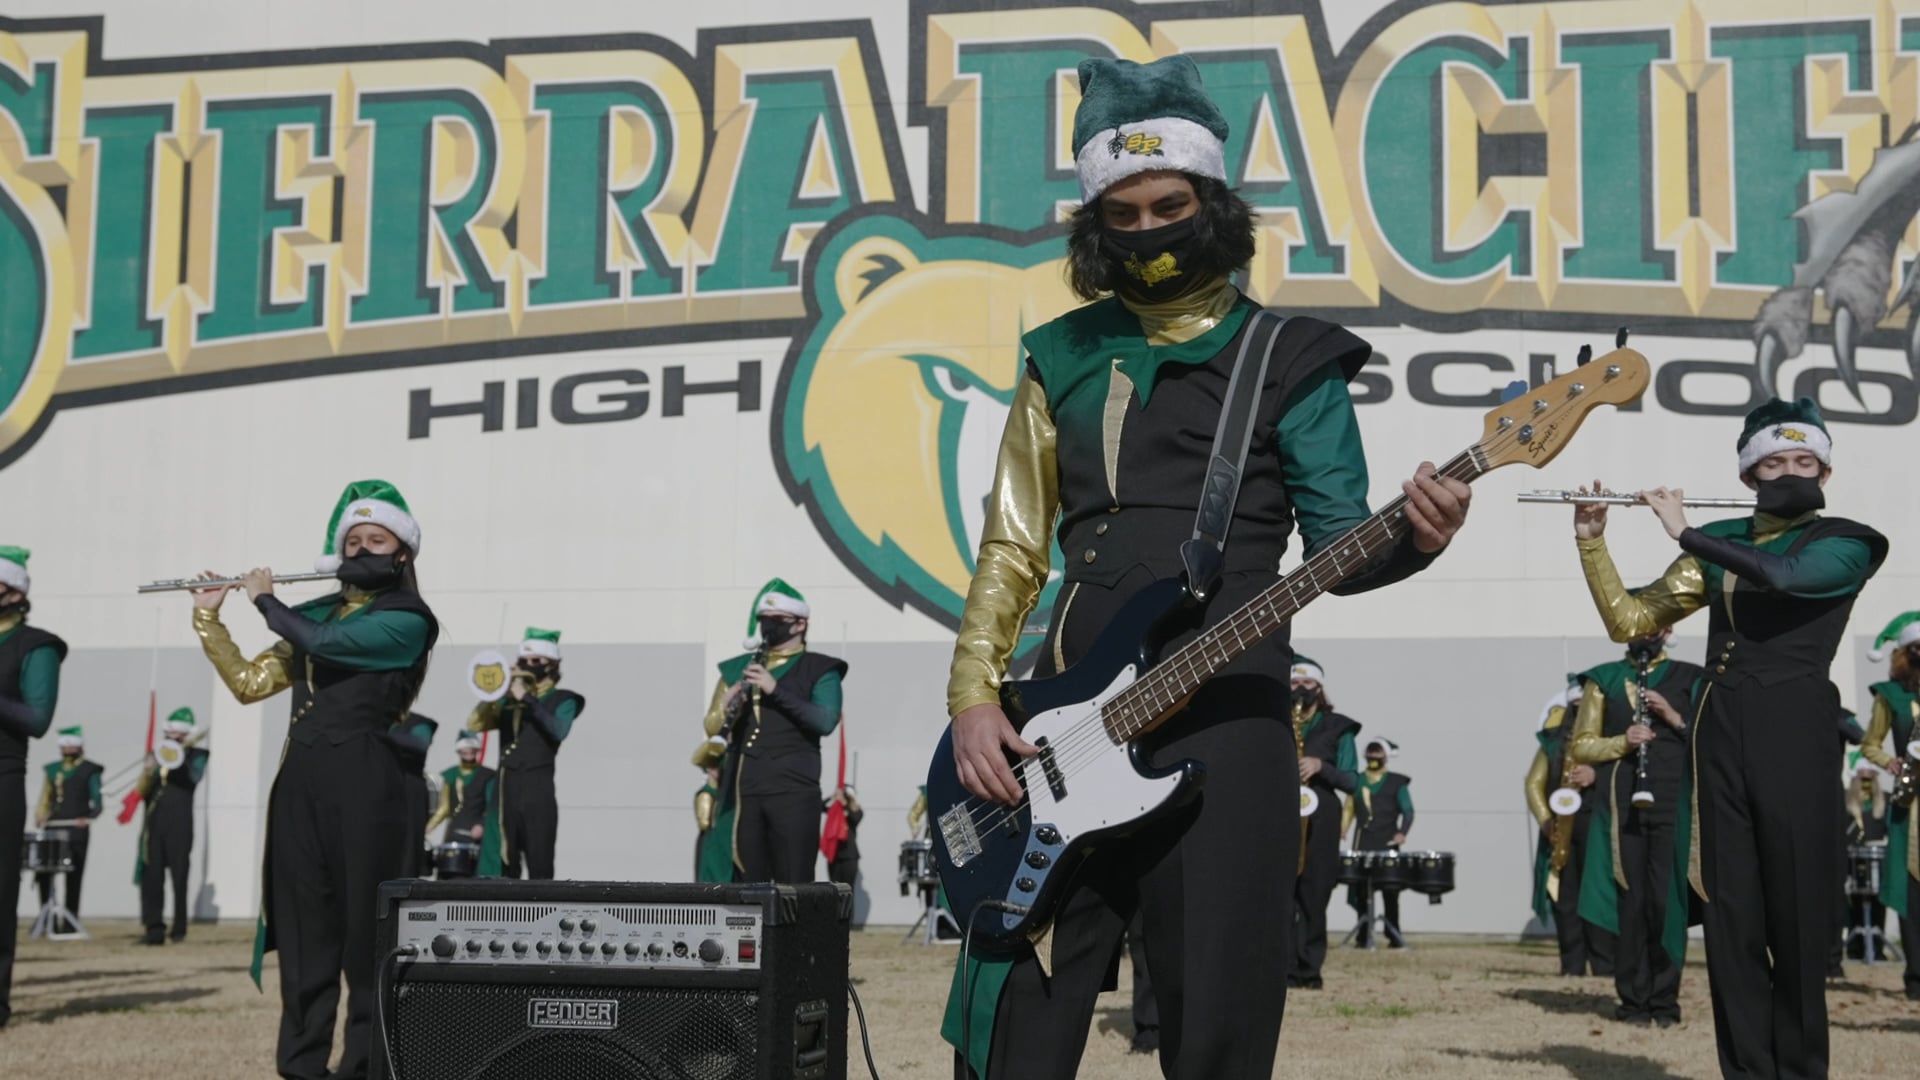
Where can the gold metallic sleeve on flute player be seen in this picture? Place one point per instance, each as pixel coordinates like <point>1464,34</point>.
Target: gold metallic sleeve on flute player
<point>1014,544</point>
<point>1537,788</point>
<point>250,681</point>
<point>1679,592</point>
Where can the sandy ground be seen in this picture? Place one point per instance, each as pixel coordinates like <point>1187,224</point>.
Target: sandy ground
<point>1448,1008</point>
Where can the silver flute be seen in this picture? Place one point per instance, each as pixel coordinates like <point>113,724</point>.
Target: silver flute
<point>1614,498</point>
<point>184,584</point>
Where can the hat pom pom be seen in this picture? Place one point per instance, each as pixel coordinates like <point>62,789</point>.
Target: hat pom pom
<point>327,564</point>
<point>1876,655</point>
<point>752,643</point>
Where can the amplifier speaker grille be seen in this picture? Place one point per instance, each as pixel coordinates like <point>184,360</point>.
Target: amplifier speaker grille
<point>659,1034</point>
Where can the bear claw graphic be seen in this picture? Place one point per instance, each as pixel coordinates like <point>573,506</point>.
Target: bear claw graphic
<point>1851,239</point>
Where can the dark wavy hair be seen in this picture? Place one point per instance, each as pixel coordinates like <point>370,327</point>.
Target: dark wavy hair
<point>1223,239</point>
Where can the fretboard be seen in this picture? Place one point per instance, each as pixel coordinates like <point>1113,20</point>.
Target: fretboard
<point>1166,687</point>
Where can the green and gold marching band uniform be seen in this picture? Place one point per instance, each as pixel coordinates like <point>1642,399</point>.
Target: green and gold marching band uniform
<point>29,692</point>
<point>527,809</point>
<point>467,796</point>
<point>1631,885</point>
<point>1584,947</point>
<point>70,792</point>
<point>339,807</point>
<point>1778,586</point>
<point>1109,438</point>
<point>769,818</point>
<point>1328,736</point>
<point>706,811</point>
<point>1896,711</point>
<point>1380,810</point>
<point>166,833</point>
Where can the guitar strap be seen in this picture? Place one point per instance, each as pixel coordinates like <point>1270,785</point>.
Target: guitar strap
<point>1204,555</point>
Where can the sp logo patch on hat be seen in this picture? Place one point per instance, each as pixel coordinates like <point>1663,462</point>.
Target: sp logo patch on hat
<point>363,512</point>
<point>1138,143</point>
<point>1790,434</point>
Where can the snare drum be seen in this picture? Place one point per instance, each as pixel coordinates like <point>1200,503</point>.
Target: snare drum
<point>1353,867</point>
<point>456,859</point>
<point>1432,872</point>
<point>1391,869</point>
<point>47,851</point>
<point>1864,865</point>
<point>916,865</point>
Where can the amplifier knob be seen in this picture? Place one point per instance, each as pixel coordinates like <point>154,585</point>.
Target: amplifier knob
<point>496,946</point>
<point>567,925</point>
<point>444,946</point>
<point>712,951</point>
<point>588,926</point>
<point>608,948</point>
<point>655,952</point>
<point>633,950</point>
<point>519,948</point>
<point>545,947</point>
<point>473,947</point>
<point>566,948</point>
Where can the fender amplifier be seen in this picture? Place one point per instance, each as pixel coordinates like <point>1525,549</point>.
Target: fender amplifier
<point>492,979</point>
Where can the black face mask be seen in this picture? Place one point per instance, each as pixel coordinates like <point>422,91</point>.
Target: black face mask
<point>1789,496</point>
<point>777,632</point>
<point>1306,697</point>
<point>541,670</point>
<point>1151,265</point>
<point>1376,763</point>
<point>1645,648</point>
<point>370,572</point>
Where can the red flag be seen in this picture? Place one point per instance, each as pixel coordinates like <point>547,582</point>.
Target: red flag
<point>836,831</point>
<point>131,803</point>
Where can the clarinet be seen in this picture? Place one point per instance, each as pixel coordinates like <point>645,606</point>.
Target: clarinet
<point>1642,795</point>
<point>743,705</point>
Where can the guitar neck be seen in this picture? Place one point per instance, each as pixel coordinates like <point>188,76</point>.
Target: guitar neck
<point>1159,694</point>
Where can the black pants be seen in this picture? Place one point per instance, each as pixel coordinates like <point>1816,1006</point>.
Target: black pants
<point>1767,836</point>
<point>845,867</point>
<point>335,831</point>
<point>1584,948</point>
<point>1314,889</point>
<point>1910,937</point>
<point>1389,906</point>
<point>70,893</point>
<point>1219,976</point>
<point>13,823</point>
<point>531,814</point>
<point>169,854</point>
<point>1646,978</point>
<point>1146,1010</point>
<point>777,837</point>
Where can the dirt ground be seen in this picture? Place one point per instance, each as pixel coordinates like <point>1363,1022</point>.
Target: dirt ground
<point>1448,1008</point>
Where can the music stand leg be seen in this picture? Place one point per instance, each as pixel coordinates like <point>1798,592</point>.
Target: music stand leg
<point>54,914</point>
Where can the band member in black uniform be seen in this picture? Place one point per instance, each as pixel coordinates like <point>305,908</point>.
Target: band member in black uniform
<point>29,692</point>
<point>1108,437</point>
<point>466,805</point>
<point>773,714</point>
<point>1381,814</point>
<point>166,834</point>
<point>533,720</point>
<point>339,809</point>
<point>1585,948</point>
<point>1638,836</point>
<point>1896,713</point>
<point>412,738</point>
<point>70,793</point>
<point>845,865</point>
<point>1328,763</point>
<point>1779,586</point>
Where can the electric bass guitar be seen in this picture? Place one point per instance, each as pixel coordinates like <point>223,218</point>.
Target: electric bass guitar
<point>1090,783</point>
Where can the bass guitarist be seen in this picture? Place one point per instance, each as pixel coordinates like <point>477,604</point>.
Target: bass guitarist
<point>1109,434</point>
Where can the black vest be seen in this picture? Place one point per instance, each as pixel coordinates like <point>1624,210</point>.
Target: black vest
<point>1323,742</point>
<point>779,756</point>
<point>1374,828</point>
<point>523,745</point>
<point>337,703</point>
<point>469,799</point>
<point>71,792</point>
<point>172,799</point>
<point>1770,637</point>
<point>1666,754</point>
<point>1162,462</point>
<point>13,656</point>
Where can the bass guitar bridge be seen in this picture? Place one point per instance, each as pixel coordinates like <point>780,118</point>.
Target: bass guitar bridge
<point>962,836</point>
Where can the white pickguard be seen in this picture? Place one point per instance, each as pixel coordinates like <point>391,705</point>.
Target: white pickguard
<point>1102,787</point>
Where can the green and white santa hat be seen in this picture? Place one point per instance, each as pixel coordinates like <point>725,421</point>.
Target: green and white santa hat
<point>543,643</point>
<point>69,738</point>
<point>13,567</point>
<point>1134,118</point>
<point>367,502</point>
<point>1392,748</point>
<point>776,597</point>
<point>1778,426</point>
<point>466,740</point>
<point>180,721</point>
<point>1903,631</point>
<point>1304,668</point>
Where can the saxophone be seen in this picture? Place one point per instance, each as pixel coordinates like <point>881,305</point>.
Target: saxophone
<point>1565,803</point>
<point>1309,798</point>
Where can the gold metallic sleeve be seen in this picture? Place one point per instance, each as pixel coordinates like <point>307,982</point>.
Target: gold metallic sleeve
<point>250,681</point>
<point>44,809</point>
<point>445,810</point>
<point>1680,592</point>
<point>1346,813</point>
<point>716,721</point>
<point>1874,745</point>
<point>1014,545</point>
<point>916,814</point>
<point>703,809</point>
<point>484,717</point>
<point>1537,781</point>
<point>1589,747</point>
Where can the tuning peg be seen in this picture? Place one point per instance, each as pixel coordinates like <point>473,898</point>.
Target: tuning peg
<point>1585,357</point>
<point>1620,338</point>
<point>1513,390</point>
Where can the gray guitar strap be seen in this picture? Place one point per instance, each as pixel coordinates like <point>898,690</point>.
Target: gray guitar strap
<point>1204,555</point>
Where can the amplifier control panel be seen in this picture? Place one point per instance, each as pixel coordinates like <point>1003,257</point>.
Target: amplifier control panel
<point>685,937</point>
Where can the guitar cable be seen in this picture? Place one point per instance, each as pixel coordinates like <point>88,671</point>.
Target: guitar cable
<point>862,1013</point>
<point>390,964</point>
